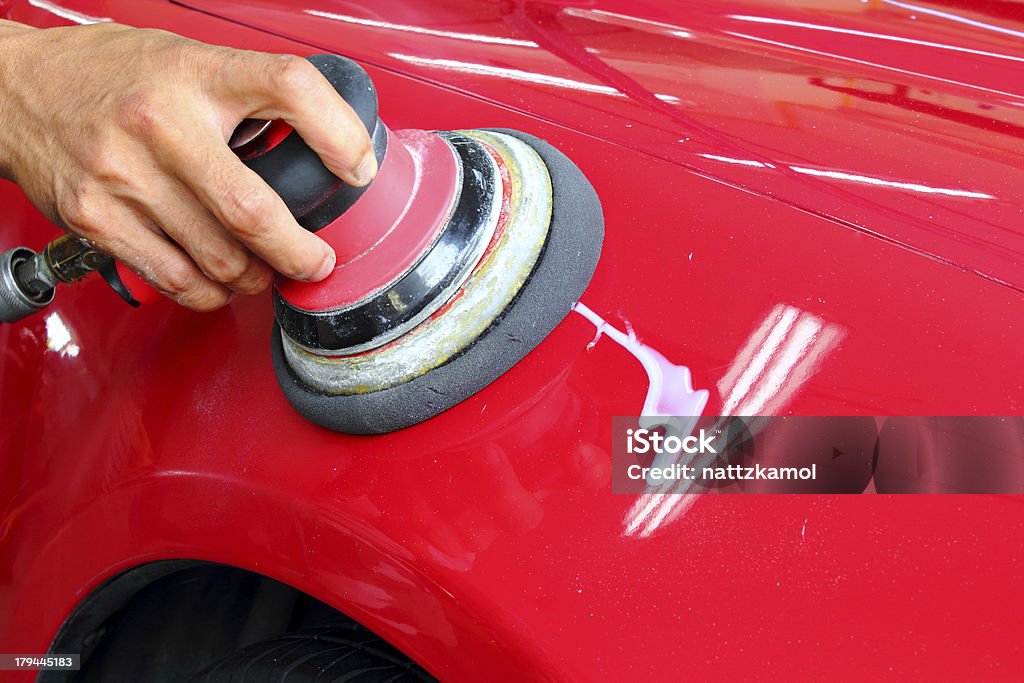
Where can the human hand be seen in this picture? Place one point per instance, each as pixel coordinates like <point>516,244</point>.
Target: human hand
<point>119,135</point>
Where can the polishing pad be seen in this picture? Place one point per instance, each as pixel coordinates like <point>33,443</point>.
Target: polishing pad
<point>556,275</point>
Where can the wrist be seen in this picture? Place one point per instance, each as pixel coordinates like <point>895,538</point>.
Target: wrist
<point>11,34</point>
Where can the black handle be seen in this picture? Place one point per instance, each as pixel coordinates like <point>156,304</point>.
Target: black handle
<point>314,195</point>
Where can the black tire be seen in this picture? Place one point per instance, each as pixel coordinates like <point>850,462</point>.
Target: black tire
<point>348,653</point>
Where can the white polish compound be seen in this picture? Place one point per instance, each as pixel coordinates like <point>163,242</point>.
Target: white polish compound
<point>670,391</point>
<point>671,405</point>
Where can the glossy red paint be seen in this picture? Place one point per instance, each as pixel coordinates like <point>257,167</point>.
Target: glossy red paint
<point>874,115</point>
<point>848,168</point>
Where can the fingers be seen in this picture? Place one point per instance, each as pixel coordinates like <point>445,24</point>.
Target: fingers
<point>139,246</point>
<point>145,131</point>
<point>291,88</point>
<point>220,256</point>
<point>249,210</point>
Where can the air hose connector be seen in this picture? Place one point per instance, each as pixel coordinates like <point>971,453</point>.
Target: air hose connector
<point>17,300</point>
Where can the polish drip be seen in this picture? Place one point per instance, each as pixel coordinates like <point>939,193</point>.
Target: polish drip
<point>670,387</point>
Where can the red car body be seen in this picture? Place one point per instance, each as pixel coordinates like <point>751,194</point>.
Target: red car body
<point>849,168</point>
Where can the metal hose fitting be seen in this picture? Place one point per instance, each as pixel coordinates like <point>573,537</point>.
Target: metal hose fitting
<point>17,300</point>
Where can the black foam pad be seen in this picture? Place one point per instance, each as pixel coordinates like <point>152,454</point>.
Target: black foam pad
<point>559,278</point>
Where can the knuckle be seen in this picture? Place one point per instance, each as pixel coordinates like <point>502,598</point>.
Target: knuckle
<point>83,210</point>
<point>229,267</point>
<point>245,210</point>
<point>295,75</point>
<point>108,165</point>
<point>262,278</point>
<point>255,280</point>
<point>182,282</point>
<point>143,115</point>
<point>177,278</point>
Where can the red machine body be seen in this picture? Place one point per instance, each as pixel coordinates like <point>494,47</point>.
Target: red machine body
<point>382,235</point>
<point>854,164</point>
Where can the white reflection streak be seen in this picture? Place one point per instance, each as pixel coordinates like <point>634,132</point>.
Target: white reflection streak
<point>777,359</point>
<point>913,187</point>
<point>877,65</point>
<point>828,338</point>
<point>503,72</point>
<point>857,178</point>
<point>784,320</point>
<point>603,16</point>
<point>868,34</point>
<point>754,342</point>
<point>955,17</point>
<point>407,28</point>
<point>786,358</point>
<point>652,510</point>
<point>65,13</point>
<point>795,348</point>
<point>738,162</point>
<point>518,75</point>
